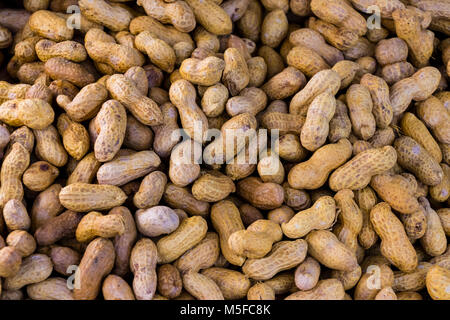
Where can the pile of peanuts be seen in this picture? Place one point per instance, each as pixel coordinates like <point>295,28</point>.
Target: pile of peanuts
<point>350,200</point>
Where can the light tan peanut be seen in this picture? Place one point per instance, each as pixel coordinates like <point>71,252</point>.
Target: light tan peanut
<point>315,41</point>
<point>177,13</point>
<point>214,100</point>
<point>417,130</point>
<point>49,146</point>
<point>201,287</point>
<point>413,281</point>
<point>34,269</point>
<point>201,256</point>
<point>250,23</point>
<point>396,191</point>
<point>341,38</point>
<point>123,169</point>
<point>206,72</point>
<point>159,52</point>
<point>113,17</point>
<point>306,60</point>
<point>190,232</point>
<point>395,245</point>
<point>49,25</point>
<point>13,166</point>
<point>95,224</point>
<point>284,255</point>
<point>365,165</point>
<point>212,187</point>
<point>85,171</point>
<point>16,216</point>
<point>350,219</point>
<point>85,197</point>
<point>85,104</point>
<point>322,215</point>
<point>433,241</point>
<point>211,16</point>
<point>366,199</point>
<point>50,289</point>
<point>312,174</point>
<point>274,28</point>
<point>235,9</point>
<point>420,41</point>
<point>360,106</point>
<point>340,125</point>
<point>182,94</point>
<point>419,87</point>
<point>413,157</point>
<point>307,274</point>
<point>182,198</point>
<point>437,282</point>
<point>115,288</point>
<point>70,50</point>
<point>348,72</point>
<point>323,81</point>
<point>319,115</point>
<point>39,176</point>
<point>110,124</point>
<point>340,13</point>
<point>12,91</point>
<point>74,135</point>
<point>226,220</point>
<point>184,165</point>
<point>330,289</point>
<point>444,215</point>
<point>233,284</point>
<point>33,113</point>
<point>290,149</point>
<point>408,295</point>
<point>161,144</point>
<point>325,247</point>
<point>156,220</point>
<point>432,112</point>
<point>235,74</point>
<point>249,100</point>
<point>376,277</point>
<point>236,135</point>
<point>144,109</point>
<point>441,192</point>
<point>257,240</point>
<point>273,59</point>
<point>143,264</point>
<point>270,168</point>
<point>151,190</point>
<point>25,50</point>
<point>386,294</point>
<point>257,69</point>
<point>379,90</point>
